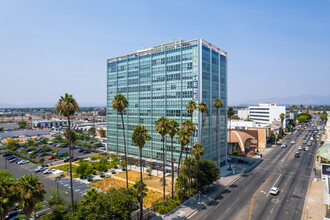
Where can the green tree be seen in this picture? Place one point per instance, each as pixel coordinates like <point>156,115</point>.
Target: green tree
<point>207,172</point>
<point>235,117</point>
<point>135,190</point>
<point>120,103</point>
<point>1,128</point>
<point>202,107</point>
<point>67,107</point>
<point>8,195</point>
<point>139,137</point>
<point>22,124</point>
<point>181,186</point>
<point>103,166</point>
<point>92,131</point>
<point>162,128</point>
<point>183,139</point>
<point>41,160</point>
<point>31,191</point>
<point>191,128</point>
<point>173,128</point>
<point>189,169</point>
<point>217,103</point>
<point>231,112</point>
<point>12,145</point>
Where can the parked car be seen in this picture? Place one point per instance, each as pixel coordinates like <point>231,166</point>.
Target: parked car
<point>61,154</point>
<point>48,171</point>
<point>23,162</point>
<point>274,190</point>
<point>40,169</point>
<point>81,150</point>
<point>68,158</point>
<point>51,157</point>
<point>86,152</point>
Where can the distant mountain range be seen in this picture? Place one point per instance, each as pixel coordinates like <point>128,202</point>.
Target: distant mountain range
<point>293,100</point>
<point>46,105</point>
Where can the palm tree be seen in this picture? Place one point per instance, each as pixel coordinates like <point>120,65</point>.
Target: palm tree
<point>282,117</point>
<point>202,107</point>
<point>190,127</point>
<point>119,103</point>
<point>183,139</point>
<point>217,104</point>
<point>162,128</point>
<point>173,128</point>
<point>197,151</point>
<point>189,168</point>
<point>191,106</point>
<point>22,114</point>
<point>8,193</point>
<point>31,191</point>
<point>139,137</point>
<point>67,106</point>
<point>91,196</point>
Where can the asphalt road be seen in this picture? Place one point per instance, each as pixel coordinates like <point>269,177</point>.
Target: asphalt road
<point>279,168</point>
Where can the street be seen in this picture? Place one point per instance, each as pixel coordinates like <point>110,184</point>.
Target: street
<point>249,198</point>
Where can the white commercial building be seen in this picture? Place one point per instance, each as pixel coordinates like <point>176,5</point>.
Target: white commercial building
<point>268,113</point>
<point>243,113</point>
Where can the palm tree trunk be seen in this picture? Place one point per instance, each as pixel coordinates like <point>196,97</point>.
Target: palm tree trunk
<point>172,167</point>
<point>70,152</point>
<point>201,140</point>
<point>216,149</point>
<point>180,159</point>
<point>122,121</point>
<point>192,136</point>
<point>163,171</point>
<point>141,187</point>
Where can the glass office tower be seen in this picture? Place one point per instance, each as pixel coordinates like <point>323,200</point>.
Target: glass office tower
<point>160,81</point>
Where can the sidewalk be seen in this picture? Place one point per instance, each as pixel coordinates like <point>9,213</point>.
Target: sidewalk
<point>197,202</point>
<point>314,207</point>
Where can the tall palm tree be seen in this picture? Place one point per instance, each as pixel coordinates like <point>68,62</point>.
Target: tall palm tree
<point>197,151</point>
<point>191,128</point>
<point>8,193</point>
<point>173,128</point>
<point>202,107</point>
<point>162,128</point>
<point>139,137</point>
<point>189,167</point>
<point>67,107</point>
<point>183,139</point>
<point>31,191</point>
<point>217,103</point>
<point>282,117</point>
<point>191,106</point>
<point>22,114</point>
<point>120,103</point>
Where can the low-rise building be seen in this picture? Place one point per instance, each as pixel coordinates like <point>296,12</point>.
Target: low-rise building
<point>268,113</point>
<point>242,141</point>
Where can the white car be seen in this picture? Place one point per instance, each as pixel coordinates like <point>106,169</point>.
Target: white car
<point>48,171</point>
<point>300,148</point>
<point>274,190</point>
<point>23,162</point>
<point>312,138</point>
<point>307,149</point>
<point>283,145</point>
<point>293,142</point>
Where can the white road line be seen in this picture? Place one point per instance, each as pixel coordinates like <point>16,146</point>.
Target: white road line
<point>236,200</point>
<point>274,183</point>
<point>228,209</point>
<point>284,158</point>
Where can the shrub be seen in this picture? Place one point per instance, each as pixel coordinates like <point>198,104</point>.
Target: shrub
<point>33,156</point>
<point>230,169</point>
<point>171,204</point>
<point>41,160</point>
<point>113,172</point>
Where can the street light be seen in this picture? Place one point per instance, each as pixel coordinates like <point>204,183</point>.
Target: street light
<point>57,179</point>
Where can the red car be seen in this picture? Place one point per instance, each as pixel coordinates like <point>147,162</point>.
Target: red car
<point>51,157</point>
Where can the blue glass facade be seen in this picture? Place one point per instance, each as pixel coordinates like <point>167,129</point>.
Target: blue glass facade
<point>160,81</point>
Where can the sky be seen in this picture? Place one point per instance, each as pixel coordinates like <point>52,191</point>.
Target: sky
<point>47,48</point>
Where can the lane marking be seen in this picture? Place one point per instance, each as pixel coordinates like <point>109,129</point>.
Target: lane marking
<point>255,195</point>
<point>274,184</point>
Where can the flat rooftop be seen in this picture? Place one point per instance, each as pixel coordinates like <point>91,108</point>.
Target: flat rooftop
<point>168,45</point>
